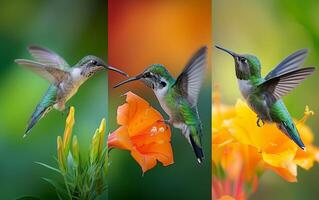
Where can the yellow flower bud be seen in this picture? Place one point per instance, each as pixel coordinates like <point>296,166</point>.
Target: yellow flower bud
<point>61,158</point>
<point>75,151</point>
<point>95,146</point>
<point>102,134</point>
<point>68,131</point>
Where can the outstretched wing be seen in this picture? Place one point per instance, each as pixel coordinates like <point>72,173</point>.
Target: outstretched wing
<point>279,86</point>
<point>52,74</point>
<point>48,57</point>
<point>292,62</point>
<point>190,80</point>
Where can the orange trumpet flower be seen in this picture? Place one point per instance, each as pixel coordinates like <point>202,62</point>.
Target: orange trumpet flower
<point>142,132</point>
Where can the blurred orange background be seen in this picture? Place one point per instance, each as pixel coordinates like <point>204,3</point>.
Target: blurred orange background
<point>144,32</point>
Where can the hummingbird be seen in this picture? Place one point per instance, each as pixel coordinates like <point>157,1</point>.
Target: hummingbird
<point>264,95</point>
<point>178,97</point>
<point>64,80</point>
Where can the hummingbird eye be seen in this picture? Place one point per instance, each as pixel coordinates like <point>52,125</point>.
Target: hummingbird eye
<point>147,75</point>
<point>163,84</point>
<point>93,62</point>
<point>242,59</point>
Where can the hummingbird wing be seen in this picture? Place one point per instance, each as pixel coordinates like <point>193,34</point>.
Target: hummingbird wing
<point>52,74</point>
<point>279,86</point>
<point>292,62</point>
<point>190,80</point>
<point>48,57</point>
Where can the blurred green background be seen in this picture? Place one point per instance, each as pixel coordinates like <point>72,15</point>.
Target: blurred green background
<point>271,30</point>
<point>73,29</point>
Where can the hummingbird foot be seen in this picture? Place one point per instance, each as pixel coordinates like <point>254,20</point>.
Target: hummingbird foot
<point>258,122</point>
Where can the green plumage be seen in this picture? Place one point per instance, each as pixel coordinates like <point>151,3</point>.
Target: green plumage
<point>181,112</point>
<point>280,115</point>
<point>46,103</point>
<point>263,95</point>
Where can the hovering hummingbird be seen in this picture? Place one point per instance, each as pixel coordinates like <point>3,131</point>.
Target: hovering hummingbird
<point>263,95</point>
<point>65,80</point>
<point>178,98</point>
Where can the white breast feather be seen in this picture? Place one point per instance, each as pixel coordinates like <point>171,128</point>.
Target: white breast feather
<point>160,94</point>
<point>71,86</point>
<point>245,87</point>
<point>76,74</point>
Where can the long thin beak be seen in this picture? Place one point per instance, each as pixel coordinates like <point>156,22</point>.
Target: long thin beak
<point>115,69</point>
<point>134,78</point>
<point>227,51</point>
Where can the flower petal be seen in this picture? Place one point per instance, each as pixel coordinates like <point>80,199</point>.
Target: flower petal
<point>289,175</point>
<point>145,161</point>
<point>159,132</point>
<point>119,139</point>
<point>161,151</point>
<point>122,114</point>
<point>140,114</point>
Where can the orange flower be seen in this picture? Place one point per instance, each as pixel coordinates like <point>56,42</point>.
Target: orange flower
<point>242,151</point>
<point>142,132</point>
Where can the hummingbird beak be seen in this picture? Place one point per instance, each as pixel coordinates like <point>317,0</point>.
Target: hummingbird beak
<point>227,51</point>
<point>115,69</point>
<point>134,78</point>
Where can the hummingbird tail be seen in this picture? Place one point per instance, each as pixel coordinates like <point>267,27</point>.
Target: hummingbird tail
<point>36,116</point>
<point>197,149</point>
<point>290,130</point>
<point>45,105</point>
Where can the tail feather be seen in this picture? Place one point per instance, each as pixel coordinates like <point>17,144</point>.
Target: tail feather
<point>193,134</point>
<point>291,131</point>
<point>39,112</point>
<point>197,149</point>
<point>43,107</point>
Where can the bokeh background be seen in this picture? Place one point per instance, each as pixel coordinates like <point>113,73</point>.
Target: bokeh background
<point>167,32</point>
<point>271,30</point>
<point>74,29</point>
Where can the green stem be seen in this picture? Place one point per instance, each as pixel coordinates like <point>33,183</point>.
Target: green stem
<point>67,187</point>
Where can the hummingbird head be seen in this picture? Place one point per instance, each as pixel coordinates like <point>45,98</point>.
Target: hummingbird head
<point>246,65</point>
<point>92,64</point>
<point>155,76</point>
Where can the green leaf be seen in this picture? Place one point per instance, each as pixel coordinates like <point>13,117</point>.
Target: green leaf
<point>52,182</point>
<point>49,167</point>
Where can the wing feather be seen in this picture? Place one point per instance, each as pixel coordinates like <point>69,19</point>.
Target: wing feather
<point>48,57</point>
<point>52,74</point>
<point>279,86</point>
<point>291,63</point>
<point>190,80</point>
